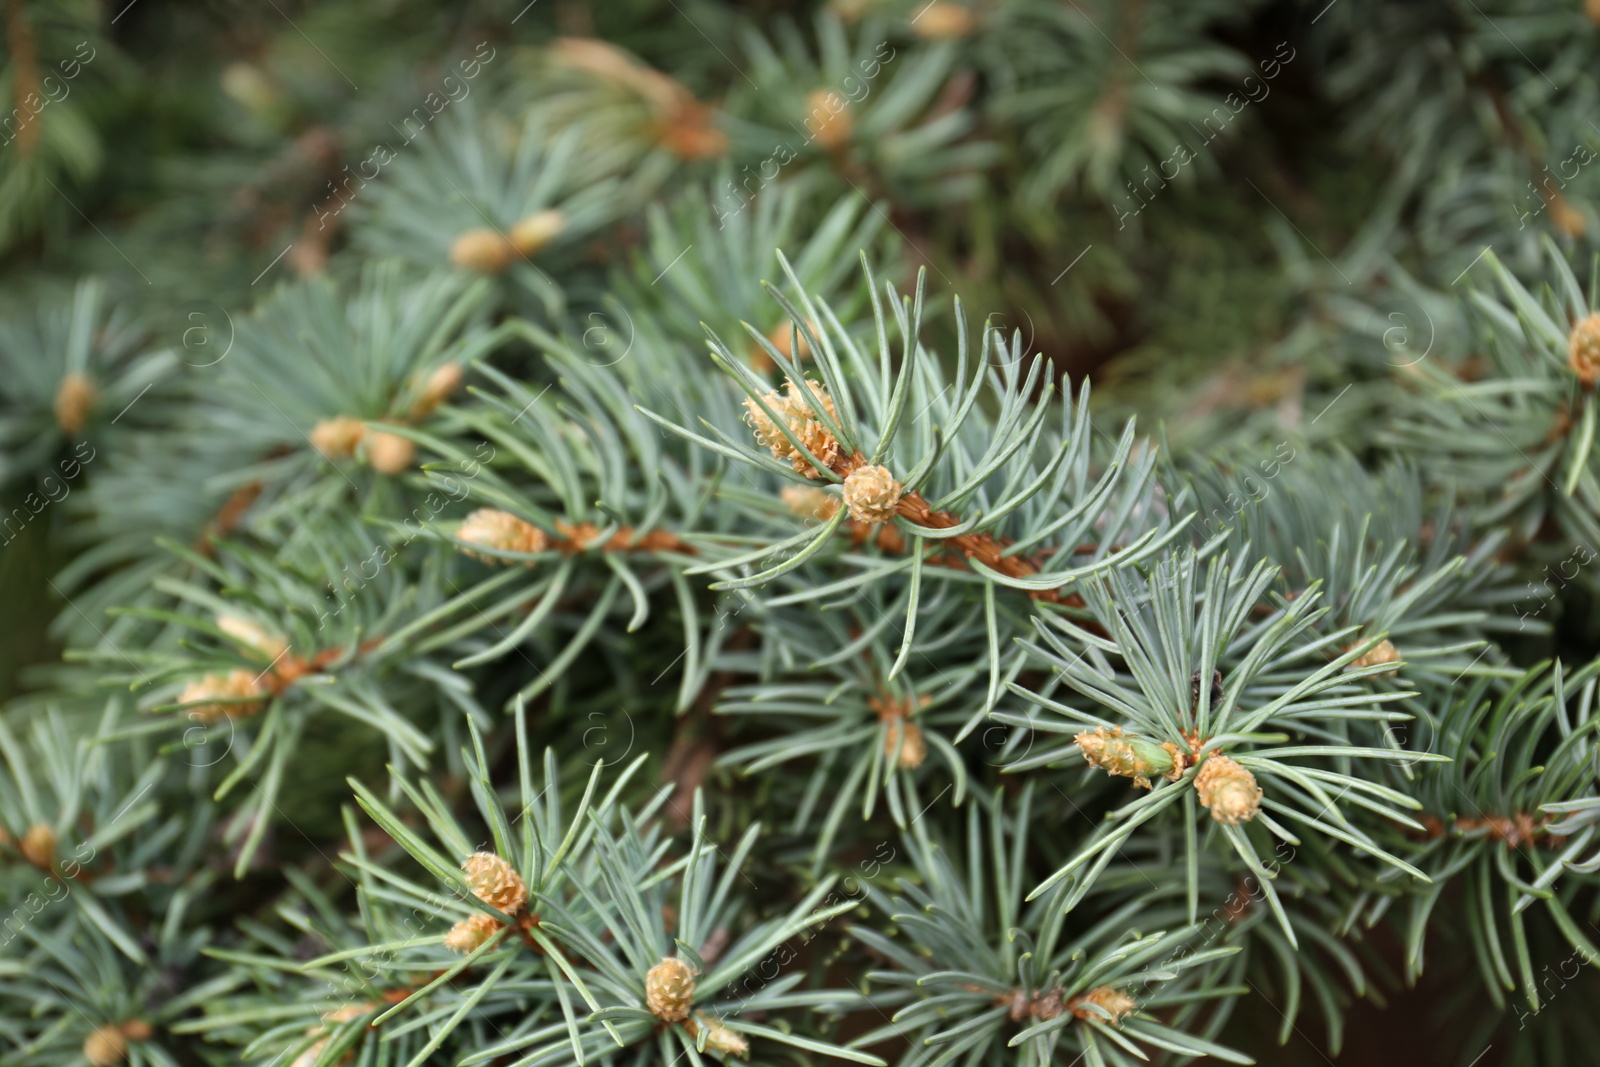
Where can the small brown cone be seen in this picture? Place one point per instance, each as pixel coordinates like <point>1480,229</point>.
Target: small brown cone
<point>669,989</point>
<point>74,400</point>
<point>1583,350</point>
<point>338,437</point>
<point>389,453</point>
<point>38,846</point>
<point>502,531</point>
<point>234,685</point>
<point>482,250</point>
<point>828,119</point>
<point>531,235</point>
<point>494,882</point>
<point>1228,790</point>
<point>871,494</point>
<point>105,1047</point>
<point>471,932</point>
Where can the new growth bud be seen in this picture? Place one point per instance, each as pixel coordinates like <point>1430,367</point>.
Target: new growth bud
<point>1228,790</point>
<point>669,989</point>
<point>1131,756</point>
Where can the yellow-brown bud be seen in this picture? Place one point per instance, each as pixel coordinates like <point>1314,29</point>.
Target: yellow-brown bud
<point>941,21</point>
<point>1583,350</point>
<point>1114,1002</point>
<point>871,494</point>
<point>74,400</point>
<point>439,387</point>
<point>471,932</point>
<point>389,453</point>
<point>719,1039</point>
<point>105,1047</point>
<point>531,235</point>
<point>828,119</point>
<point>338,437</point>
<point>1228,790</point>
<point>482,250</point>
<point>502,531</point>
<point>688,129</point>
<point>1383,652</point>
<point>798,418</point>
<point>669,989</point>
<point>913,750</point>
<point>780,338</point>
<point>1564,217</point>
<point>494,882</point>
<point>809,502</point>
<point>309,1056</point>
<point>253,636</point>
<point>1130,756</point>
<point>38,846</point>
<point>136,1030</point>
<point>240,686</point>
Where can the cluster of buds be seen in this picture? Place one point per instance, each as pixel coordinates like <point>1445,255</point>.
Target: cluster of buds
<point>501,531</point>
<point>669,989</point>
<point>341,436</point>
<point>1583,350</point>
<point>230,695</point>
<point>1131,756</point>
<point>493,881</point>
<point>871,494</point>
<point>488,251</point>
<point>1228,790</point>
<point>75,398</point>
<point>797,416</point>
<point>107,1045</point>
